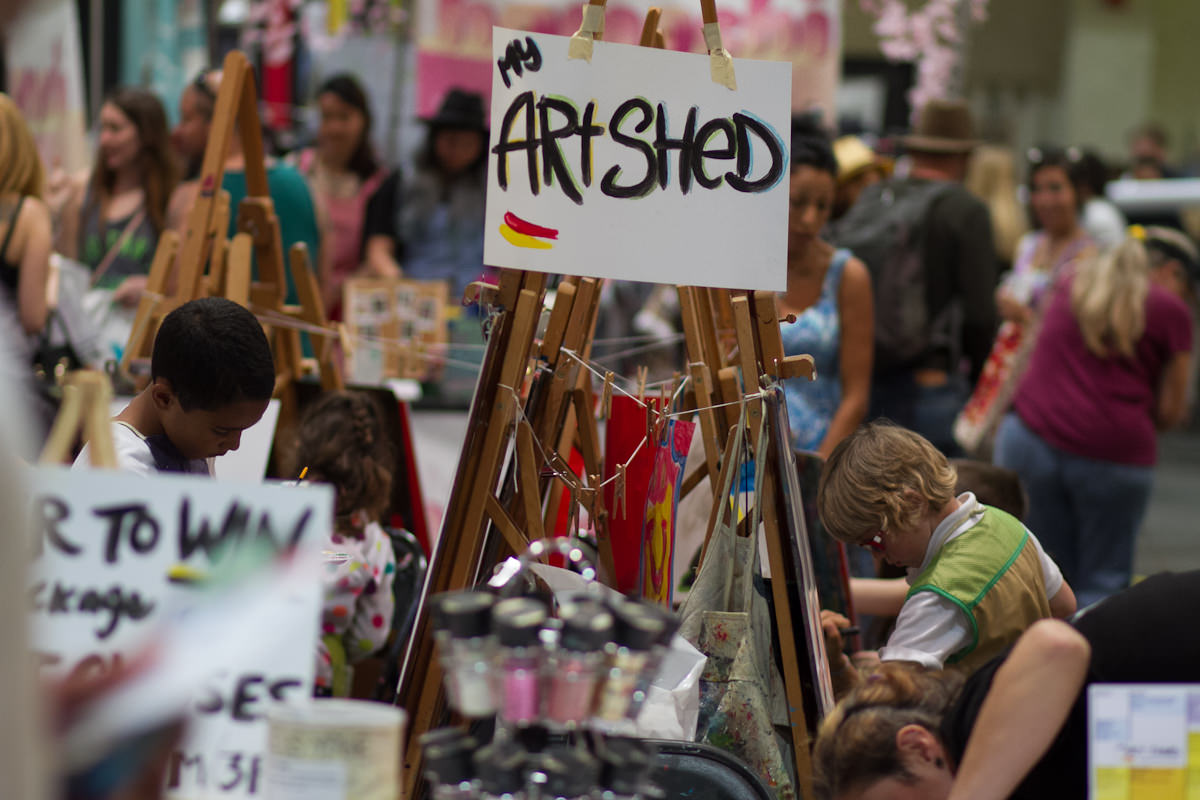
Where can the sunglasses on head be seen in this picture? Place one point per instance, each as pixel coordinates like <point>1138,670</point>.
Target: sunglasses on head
<point>874,544</point>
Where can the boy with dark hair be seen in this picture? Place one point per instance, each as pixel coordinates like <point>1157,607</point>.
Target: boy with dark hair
<point>211,377</point>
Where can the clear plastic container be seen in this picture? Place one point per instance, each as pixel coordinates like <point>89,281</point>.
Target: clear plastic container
<point>624,767</point>
<point>517,664</point>
<point>576,666</point>
<point>501,771</point>
<point>466,646</point>
<point>570,774</point>
<point>447,758</point>
<point>639,628</point>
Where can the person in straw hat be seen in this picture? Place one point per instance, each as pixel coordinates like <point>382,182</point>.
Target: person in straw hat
<point>858,168</point>
<point>948,323</point>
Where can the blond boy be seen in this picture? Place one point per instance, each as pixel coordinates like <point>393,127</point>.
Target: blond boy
<point>977,577</point>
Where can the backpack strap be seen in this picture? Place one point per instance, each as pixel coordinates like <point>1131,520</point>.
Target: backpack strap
<point>12,226</point>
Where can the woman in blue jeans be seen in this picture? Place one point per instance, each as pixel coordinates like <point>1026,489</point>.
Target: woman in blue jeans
<point>1109,369</point>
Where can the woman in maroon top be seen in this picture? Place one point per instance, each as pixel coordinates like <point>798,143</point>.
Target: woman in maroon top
<point>1109,369</point>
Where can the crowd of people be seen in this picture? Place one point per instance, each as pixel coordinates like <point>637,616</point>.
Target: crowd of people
<point>949,310</point>
<point>356,215</point>
<point>1030,327</point>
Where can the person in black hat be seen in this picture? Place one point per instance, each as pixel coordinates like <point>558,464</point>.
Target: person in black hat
<point>429,225</point>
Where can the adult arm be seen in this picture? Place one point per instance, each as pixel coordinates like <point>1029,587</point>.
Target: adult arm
<point>33,228</point>
<point>856,312</point>
<point>1172,392</point>
<point>381,258</point>
<point>1029,701</point>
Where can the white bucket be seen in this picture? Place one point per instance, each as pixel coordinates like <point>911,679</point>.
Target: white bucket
<point>334,749</point>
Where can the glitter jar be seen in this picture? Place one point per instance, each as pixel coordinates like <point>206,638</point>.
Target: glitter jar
<point>517,664</point>
<point>576,665</point>
<point>638,629</point>
<point>624,766</point>
<point>569,773</point>
<point>447,761</point>
<point>462,621</point>
<point>501,771</point>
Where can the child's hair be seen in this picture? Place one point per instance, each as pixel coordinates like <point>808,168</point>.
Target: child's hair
<point>213,352</point>
<point>993,486</point>
<point>1108,296</point>
<point>881,477</point>
<point>856,745</point>
<point>341,441</point>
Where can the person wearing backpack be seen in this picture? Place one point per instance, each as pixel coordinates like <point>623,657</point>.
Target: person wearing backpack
<point>928,245</point>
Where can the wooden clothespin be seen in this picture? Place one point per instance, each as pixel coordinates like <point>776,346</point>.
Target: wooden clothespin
<point>651,423</point>
<point>642,374</point>
<point>606,396</point>
<point>650,26</point>
<point>619,491</point>
<point>591,28</point>
<point>720,61</point>
<point>675,386</point>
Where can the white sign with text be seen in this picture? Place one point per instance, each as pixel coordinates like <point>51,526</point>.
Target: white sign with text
<point>122,562</point>
<point>636,165</point>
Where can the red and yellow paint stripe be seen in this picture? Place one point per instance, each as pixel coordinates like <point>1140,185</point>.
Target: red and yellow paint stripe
<point>523,233</point>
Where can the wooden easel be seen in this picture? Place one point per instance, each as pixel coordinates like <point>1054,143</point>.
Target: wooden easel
<point>729,335</point>
<point>498,503</point>
<point>229,262</point>
<point>708,317</point>
<point>85,405</point>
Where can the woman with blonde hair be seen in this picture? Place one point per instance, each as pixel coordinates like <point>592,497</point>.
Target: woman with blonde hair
<point>992,177</point>
<point>1110,367</point>
<point>25,230</point>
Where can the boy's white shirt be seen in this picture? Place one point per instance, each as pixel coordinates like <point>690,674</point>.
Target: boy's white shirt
<point>133,454</point>
<point>930,628</point>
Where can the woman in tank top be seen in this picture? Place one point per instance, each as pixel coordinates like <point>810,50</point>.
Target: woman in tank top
<point>112,223</point>
<point>25,237</point>
<point>829,292</point>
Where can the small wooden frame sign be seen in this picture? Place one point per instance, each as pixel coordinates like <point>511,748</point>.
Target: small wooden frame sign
<point>395,327</point>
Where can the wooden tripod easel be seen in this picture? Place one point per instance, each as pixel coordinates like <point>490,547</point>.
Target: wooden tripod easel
<point>499,487</point>
<point>724,370</point>
<point>229,262</point>
<point>733,342</point>
<point>85,408</point>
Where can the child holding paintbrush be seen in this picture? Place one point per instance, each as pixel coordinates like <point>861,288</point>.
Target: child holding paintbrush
<point>341,442</point>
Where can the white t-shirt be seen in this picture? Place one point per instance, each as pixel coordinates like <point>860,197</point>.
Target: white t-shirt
<point>930,628</point>
<point>133,453</point>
